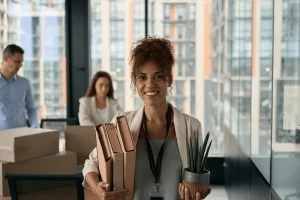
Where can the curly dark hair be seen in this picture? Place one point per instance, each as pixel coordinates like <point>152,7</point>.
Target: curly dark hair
<point>91,91</point>
<point>159,51</point>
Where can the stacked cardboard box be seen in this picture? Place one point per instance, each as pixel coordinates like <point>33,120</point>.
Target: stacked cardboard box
<point>32,151</point>
<point>80,140</point>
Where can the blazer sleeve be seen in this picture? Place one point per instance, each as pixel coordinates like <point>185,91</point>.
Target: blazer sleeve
<point>90,165</point>
<point>199,125</point>
<point>84,113</point>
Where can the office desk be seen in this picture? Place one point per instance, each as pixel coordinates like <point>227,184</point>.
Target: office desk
<point>65,193</point>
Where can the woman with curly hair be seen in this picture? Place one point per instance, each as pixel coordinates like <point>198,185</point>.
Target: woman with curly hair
<point>159,129</point>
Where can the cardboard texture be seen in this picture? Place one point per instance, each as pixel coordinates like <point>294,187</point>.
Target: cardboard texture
<point>117,156</point>
<point>61,163</point>
<point>128,148</point>
<point>104,155</point>
<point>20,144</point>
<point>81,140</point>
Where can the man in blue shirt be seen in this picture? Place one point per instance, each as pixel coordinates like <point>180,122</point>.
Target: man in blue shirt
<point>15,92</point>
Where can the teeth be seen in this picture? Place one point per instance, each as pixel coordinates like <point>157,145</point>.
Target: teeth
<point>150,93</point>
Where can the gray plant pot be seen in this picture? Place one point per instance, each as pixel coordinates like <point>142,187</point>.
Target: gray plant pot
<point>197,178</point>
<point>196,183</point>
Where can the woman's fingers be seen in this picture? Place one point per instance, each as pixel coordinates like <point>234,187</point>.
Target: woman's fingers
<point>186,194</point>
<point>103,184</point>
<point>102,192</point>
<point>198,197</point>
<point>182,191</point>
<point>117,193</point>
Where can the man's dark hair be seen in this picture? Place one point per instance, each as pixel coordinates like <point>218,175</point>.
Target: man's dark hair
<point>11,49</point>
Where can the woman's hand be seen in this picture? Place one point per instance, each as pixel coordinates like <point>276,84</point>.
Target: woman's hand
<point>185,195</point>
<point>100,191</point>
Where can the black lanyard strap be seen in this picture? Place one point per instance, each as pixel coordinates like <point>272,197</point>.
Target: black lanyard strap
<point>156,169</point>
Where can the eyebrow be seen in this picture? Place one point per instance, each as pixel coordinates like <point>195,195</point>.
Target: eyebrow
<point>154,73</point>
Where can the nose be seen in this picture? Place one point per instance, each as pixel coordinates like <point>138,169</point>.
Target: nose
<point>150,82</point>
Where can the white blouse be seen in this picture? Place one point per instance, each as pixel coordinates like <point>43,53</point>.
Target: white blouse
<point>89,114</point>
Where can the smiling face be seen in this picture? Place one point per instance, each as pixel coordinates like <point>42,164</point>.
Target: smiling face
<point>102,87</point>
<point>152,83</point>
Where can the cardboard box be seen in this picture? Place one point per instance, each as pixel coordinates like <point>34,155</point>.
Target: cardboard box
<point>61,163</point>
<point>20,144</point>
<point>81,140</point>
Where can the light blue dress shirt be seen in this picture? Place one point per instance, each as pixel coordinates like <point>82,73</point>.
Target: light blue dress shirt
<point>15,101</point>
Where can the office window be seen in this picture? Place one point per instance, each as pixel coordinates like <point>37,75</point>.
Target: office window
<point>166,11</point>
<point>176,31</point>
<point>41,49</point>
<point>167,30</point>
<point>286,98</point>
<point>180,31</point>
<point>1,19</point>
<point>112,36</point>
<point>181,11</point>
<point>139,16</point>
<point>191,11</point>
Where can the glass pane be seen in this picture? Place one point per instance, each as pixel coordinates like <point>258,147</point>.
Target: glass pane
<point>286,100</point>
<point>262,91</point>
<point>176,25</point>
<point>38,27</point>
<point>42,36</point>
<point>114,26</point>
<point>238,73</point>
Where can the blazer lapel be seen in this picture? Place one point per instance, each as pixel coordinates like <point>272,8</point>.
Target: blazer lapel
<point>135,125</point>
<point>181,135</point>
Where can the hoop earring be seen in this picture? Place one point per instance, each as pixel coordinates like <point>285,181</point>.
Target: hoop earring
<point>134,91</point>
<point>170,90</point>
<point>133,87</point>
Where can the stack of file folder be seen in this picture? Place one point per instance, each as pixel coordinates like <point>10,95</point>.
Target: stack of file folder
<point>116,155</point>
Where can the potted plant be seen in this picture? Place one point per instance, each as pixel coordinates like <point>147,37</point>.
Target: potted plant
<point>196,178</point>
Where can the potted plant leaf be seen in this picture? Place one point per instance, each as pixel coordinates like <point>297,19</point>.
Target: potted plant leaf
<point>196,178</point>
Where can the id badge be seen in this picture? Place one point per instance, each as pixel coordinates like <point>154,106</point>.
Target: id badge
<point>156,194</point>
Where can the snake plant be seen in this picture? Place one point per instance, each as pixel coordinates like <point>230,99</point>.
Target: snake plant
<point>197,153</point>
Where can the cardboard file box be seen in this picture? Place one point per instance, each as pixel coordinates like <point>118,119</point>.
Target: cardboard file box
<point>61,163</point>
<point>81,140</point>
<point>20,144</point>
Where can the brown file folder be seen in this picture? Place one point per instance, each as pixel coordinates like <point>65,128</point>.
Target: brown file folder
<point>104,155</point>
<point>129,150</point>
<point>117,156</point>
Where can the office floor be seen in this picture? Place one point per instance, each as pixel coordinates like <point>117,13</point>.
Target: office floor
<point>218,193</point>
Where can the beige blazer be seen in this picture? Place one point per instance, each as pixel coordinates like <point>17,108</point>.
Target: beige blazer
<point>88,111</point>
<point>183,124</point>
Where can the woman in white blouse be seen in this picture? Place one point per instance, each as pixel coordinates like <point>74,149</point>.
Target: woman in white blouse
<point>98,105</point>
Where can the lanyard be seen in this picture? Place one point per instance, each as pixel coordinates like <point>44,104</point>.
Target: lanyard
<point>156,169</point>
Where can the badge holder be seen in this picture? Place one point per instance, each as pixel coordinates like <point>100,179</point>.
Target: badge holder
<point>156,194</point>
